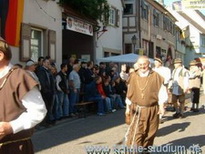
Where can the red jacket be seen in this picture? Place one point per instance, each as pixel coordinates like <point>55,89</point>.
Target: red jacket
<point>100,90</point>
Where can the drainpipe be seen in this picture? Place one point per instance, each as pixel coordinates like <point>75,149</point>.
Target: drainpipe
<point>139,22</point>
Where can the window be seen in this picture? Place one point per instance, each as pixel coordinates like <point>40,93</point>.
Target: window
<point>168,25</point>
<point>128,48</point>
<point>155,18</point>
<point>106,54</point>
<point>33,43</point>
<point>115,54</point>
<point>36,43</point>
<point>145,45</point>
<point>151,50</point>
<point>203,41</point>
<point>112,18</point>
<point>158,52</point>
<point>145,11</point>
<point>163,54</point>
<point>110,53</point>
<point>128,10</point>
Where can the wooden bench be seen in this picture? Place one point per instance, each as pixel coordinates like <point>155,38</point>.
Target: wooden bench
<point>81,107</point>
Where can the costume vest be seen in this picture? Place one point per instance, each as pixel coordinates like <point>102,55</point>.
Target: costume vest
<point>195,82</point>
<point>182,73</point>
<point>144,91</point>
<point>62,83</point>
<point>13,88</point>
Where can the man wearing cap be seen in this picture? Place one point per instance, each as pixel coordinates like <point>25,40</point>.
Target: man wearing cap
<point>165,72</point>
<point>30,68</point>
<point>21,106</point>
<point>179,87</point>
<point>195,84</point>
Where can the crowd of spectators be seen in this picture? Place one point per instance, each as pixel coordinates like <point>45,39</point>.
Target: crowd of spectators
<point>77,82</point>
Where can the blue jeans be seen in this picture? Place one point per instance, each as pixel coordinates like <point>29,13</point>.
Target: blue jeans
<point>74,98</point>
<point>117,99</point>
<point>100,102</point>
<point>57,107</point>
<point>108,103</point>
<point>63,108</point>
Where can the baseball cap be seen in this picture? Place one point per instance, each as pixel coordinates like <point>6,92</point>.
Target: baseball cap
<point>30,63</point>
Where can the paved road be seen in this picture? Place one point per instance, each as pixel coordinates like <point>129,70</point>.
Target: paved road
<point>73,136</point>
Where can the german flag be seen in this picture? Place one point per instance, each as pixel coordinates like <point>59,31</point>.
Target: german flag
<point>11,15</point>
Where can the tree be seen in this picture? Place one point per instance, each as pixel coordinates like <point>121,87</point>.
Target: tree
<point>97,10</point>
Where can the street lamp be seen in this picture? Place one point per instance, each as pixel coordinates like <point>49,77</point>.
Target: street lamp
<point>134,42</point>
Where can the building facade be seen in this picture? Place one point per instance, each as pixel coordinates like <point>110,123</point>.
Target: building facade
<point>148,29</point>
<point>39,32</point>
<point>109,37</point>
<point>193,33</point>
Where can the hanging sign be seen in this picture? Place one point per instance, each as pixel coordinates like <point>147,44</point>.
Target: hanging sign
<point>79,26</point>
<point>193,4</point>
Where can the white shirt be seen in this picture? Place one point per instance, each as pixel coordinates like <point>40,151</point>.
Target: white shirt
<point>165,72</point>
<point>73,76</point>
<point>35,108</point>
<point>124,76</point>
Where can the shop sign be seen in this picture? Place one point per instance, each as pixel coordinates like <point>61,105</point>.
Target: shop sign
<point>79,26</point>
<point>193,4</point>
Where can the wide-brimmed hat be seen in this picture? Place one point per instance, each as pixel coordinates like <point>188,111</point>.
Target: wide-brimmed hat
<point>193,62</point>
<point>158,59</point>
<point>177,60</point>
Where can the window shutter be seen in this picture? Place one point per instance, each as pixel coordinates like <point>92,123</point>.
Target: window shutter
<point>117,18</point>
<point>25,42</point>
<point>52,44</point>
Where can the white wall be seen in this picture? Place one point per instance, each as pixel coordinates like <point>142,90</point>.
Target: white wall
<point>34,15</point>
<point>111,39</point>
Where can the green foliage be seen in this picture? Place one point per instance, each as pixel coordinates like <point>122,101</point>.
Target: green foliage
<point>95,9</point>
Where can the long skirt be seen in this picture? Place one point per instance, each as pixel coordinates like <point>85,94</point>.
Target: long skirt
<point>143,127</point>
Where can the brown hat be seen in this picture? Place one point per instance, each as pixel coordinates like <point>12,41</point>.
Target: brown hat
<point>4,47</point>
<point>177,60</point>
<point>158,59</point>
<point>193,62</point>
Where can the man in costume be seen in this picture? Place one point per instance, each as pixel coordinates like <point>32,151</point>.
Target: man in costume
<point>165,72</point>
<point>195,84</point>
<point>145,97</point>
<point>179,87</point>
<point>21,106</point>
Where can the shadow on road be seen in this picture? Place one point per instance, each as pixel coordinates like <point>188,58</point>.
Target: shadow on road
<point>73,130</point>
<point>180,127</point>
<point>188,143</point>
<point>187,113</point>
